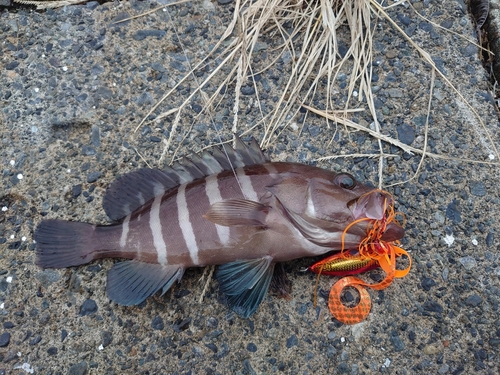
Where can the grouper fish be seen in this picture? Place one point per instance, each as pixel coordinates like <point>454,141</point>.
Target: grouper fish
<point>230,207</point>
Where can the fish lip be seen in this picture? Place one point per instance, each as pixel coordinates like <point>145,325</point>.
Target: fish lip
<point>371,205</point>
<point>393,232</point>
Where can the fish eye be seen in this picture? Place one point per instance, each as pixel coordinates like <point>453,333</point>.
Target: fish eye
<point>345,181</point>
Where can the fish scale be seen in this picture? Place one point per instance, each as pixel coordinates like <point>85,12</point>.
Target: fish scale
<point>230,207</point>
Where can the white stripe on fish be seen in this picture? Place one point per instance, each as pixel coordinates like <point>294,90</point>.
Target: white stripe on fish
<point>213,194</point>
<point>246,185</point>
<point>185,224</point>
<point>125,229</point>
<point>156,228</point>
<point>273,172</point>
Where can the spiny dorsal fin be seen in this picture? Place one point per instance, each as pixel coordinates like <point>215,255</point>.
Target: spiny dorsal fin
<point>132,190</point>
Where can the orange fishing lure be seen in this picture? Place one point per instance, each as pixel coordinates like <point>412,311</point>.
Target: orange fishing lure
<point>371,253</point>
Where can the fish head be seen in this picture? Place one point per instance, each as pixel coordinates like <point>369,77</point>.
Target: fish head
<point>357,205</point>
<point>327,204</point>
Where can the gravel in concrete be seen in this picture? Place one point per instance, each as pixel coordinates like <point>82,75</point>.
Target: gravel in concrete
<point>74,86</point>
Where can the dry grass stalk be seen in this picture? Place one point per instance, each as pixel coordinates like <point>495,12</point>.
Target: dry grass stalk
<point>316,57</point>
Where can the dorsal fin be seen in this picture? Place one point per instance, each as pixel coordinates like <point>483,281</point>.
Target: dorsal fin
<point>130,191</point>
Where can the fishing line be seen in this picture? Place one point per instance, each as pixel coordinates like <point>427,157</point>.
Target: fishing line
<point>219,137</point>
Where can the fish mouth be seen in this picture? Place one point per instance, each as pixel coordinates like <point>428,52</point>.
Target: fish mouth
<point>375,205</point>
<point>371,205</point>
<point>393,232</point>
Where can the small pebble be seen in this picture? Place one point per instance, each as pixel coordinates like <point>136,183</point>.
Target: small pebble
<point>182,325</point>
<point>158,67</point>
<point>292,341</point>
<point>431,349</point>
<point>439,217</point>
<point>88,307</point>
<point>395,93</point>
<point>444,369</point>
<point>157,323</point>
<point>95,138</point>
<point>427,283</point>
<point>473,300</point>
<point>468,262</point>
<point>259,46</point>
<point>143,34</point>
<point>107,338</point>
<point>48,277</point>
<point>470,50</point>
<point>79,369</point>
<point>405,20</point>
<point>212,347</point>
<point>343,368</point>
<point>396,342</point>
<point>490,239</point>
<point>478,189</point>
<point>248,90</point>
<point>76,190</point>
<point>406,134</point>
<point>93,177</point>
<point>453,212</point>
<point>433,306</point>
<point>445,273</point>
<point>121,16</point>
<point>35,340</point>
<point>248,367</point>
<point>12,65</point>
<point>4,339</point>
<point>144,99</point>
<point>178,65</point>
<point>314,130</point>
<point>391,54</point>
<point>52,350</point>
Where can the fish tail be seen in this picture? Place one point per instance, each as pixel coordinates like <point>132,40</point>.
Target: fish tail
<point>61,244</point>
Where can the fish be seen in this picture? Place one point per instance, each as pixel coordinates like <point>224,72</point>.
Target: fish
<point>231,207</point>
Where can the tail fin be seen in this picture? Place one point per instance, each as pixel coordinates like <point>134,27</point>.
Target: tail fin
<point>62,243</point>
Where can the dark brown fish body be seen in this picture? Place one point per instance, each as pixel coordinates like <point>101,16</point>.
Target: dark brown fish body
<point>245,214</point>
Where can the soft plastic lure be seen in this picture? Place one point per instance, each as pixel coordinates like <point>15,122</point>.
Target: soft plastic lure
<point>372,253</point>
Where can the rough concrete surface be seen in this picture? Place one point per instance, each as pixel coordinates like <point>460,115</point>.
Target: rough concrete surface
<point>74,86</point>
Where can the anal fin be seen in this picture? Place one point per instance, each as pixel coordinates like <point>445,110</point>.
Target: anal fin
<point>245,283</point>
<point>131,282</point>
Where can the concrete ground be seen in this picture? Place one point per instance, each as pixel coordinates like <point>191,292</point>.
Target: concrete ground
<point>74,86</point>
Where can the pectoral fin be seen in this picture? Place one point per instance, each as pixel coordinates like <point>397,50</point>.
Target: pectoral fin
<point>131,282</point>
<point>245,283</point>
<point>231,212</point>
